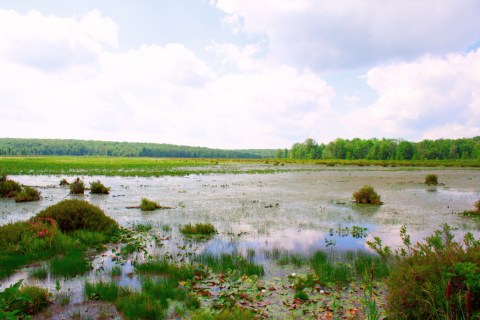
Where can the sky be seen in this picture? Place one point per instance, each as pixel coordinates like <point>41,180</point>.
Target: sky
<point>239,73</point>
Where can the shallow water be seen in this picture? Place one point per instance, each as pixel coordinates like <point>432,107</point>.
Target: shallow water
<point>299,211</point>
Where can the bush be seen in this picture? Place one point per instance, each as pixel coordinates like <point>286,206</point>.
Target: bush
<point>431,179</point>
<point>27,194</point>
<point>76,214</point>
<point>77,187</point>
<point>64,182</point>
<point>148,205</point>
<point>8,188</point>
<point>367,195</point>
<point>430,280</point>
<point>98,187</point>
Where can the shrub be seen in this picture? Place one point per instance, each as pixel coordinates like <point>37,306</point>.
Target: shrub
<point>430,280</point>
<point>8,188</point>
<point>367,195</point>
<point>77,187</point>
<point>98,187</point>
<point>148,205</point>
<point>77,215</point>
<point>199,230</point>
<point>27,194</point>
<point>431,179</point>
<point>64,182</point>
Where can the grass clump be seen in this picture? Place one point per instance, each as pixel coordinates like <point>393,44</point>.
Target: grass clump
<point>199,230</point>
<point>8,188</point>
<point>39,273</point>
<point>104,291</point>
<point>367,195</point>
<point>76,214</point>
<point>431,179</point>
<point>166,268</point>
<point>98,188</point>
<point>77,187</point>
<point>64,182</point>
<point>71,264</point>
<point>27,194</point>
<point>149,205</point>
<point>232,262</point>
<point>437,279</point>
<point>140,305</point>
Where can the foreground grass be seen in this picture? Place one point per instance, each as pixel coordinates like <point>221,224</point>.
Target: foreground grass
<point>113,166</point>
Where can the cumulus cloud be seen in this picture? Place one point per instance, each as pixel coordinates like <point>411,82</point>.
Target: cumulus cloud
<point>152,93</point>
<point>434,97</point>
<point>348,33</point>
<point>52,43</point>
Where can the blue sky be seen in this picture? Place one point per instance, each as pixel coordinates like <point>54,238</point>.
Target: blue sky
<point>239,73</point>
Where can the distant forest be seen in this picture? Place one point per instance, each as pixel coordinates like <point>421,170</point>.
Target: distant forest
<point>385,149</point>
<point>371,149</point>
<point>48,147</point>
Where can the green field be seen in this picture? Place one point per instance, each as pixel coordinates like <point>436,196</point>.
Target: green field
<point>156,167</point>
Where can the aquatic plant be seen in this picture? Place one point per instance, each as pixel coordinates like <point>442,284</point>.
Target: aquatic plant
<point>78,214</point>
<point>77,187</point>
<point>27,194</point>
<point>39,273</point>
<point>233,262</point>
<point>104,291</point>
<point>64,182</point>
<point>98,188</point>
<point>199,230</point>
<point>71,264</point>
<point>10,298</point>
<point>367,195</point>
<point>431,179</point>
<point>166,267</point>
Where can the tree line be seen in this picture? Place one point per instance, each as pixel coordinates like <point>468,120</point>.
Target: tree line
<point>57,147</point>
<point>385,149</point>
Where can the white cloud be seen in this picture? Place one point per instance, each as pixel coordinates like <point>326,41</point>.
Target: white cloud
<point>154,93</point>
<point>434,97</point>
<point>350,33</point>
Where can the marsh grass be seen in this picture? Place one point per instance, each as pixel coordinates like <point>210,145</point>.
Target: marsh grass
<point>140,305</point>
<point>77,187</point>
<point>64,182</point>
<point>148,205</point>
<point>8,188</point>
<point>167,268</point>
<point>97,187</point>
<point>233,262</point>
<point>27,194</point>
<point>199,230</point>
<point>367,195</point>
<point>39,273</point>
<point>431,179</point>
<point>288,258</point>
<point>71,264</point>
<point>104,291</point>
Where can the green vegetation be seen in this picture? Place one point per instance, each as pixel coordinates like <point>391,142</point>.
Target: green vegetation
<point>76,214</point>
<point>431,179</point>
<point>39,299</point>
<point>233,261</point>
<point>104,291</point>
<point>199,230</point>
<point>438,279</point>
<point>8,188</point>
<point>27,194</point>
<point>475,214</point>
<point>61,232</point>
<point>98,187</point>
<point>49,147</point>
<point>77,187</point>
<point>149,205</point>
<point>39,273</point>
<point>64,182</point>
<point>367,195</point>
<point>385,149</point>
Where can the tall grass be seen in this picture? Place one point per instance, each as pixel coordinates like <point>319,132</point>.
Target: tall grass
<point>233,262</point>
